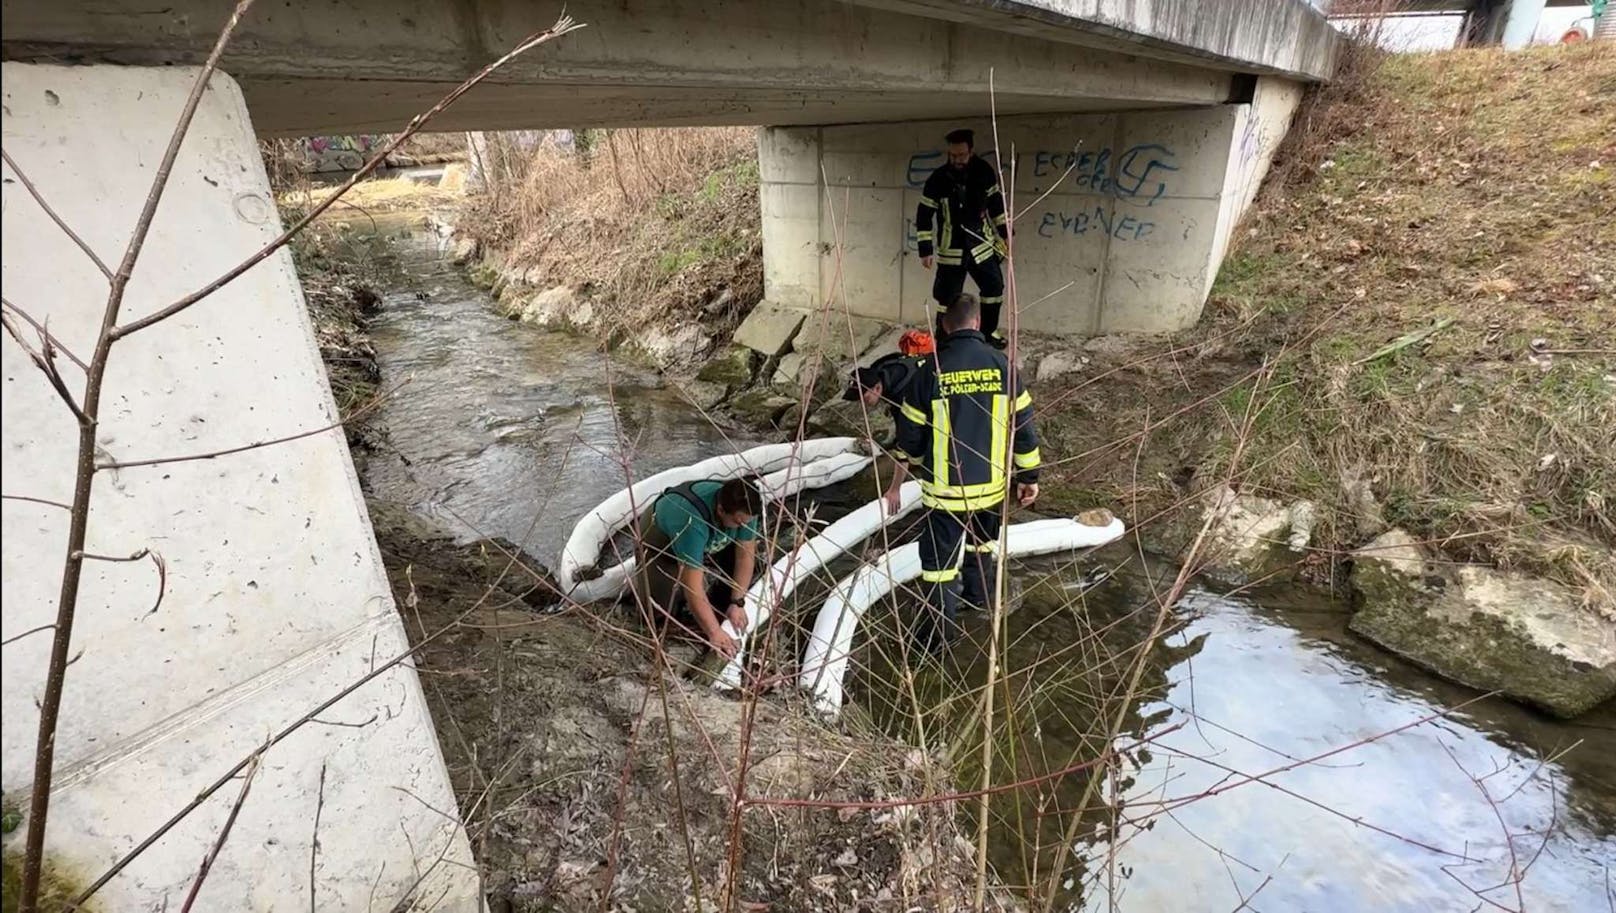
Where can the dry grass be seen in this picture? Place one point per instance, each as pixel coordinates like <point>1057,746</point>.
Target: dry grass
<point>647,222</point>
<point>1472,188</point>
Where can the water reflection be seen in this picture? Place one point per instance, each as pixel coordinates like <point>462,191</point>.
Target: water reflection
<point>1264,691</point>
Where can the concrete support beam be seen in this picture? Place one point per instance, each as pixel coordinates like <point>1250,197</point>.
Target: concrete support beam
<point>276,598</point>
<point>1277,37</point>
<point>1121,219</point>
<point>369,65</point>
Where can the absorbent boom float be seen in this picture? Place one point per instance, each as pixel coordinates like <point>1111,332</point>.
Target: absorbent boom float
<point>787,468</point>
<point>773,588</point>
<point>824,663</point>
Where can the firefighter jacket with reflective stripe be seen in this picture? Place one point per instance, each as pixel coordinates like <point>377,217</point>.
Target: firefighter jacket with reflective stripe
<point>897,372</point>
<point>964,203</point>
<point>969,432</point>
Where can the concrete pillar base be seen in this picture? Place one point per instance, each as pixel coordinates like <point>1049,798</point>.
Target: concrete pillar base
<point>1121,218</point>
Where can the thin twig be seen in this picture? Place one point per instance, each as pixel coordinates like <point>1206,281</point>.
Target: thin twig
<point>224,834</point>
<point>561,27</point>
<point>40,199</point>
<point>32,500</point>
<point>314,843</point>
<point>357,414</point>
<point>16,637</point>
<point>40,329</point>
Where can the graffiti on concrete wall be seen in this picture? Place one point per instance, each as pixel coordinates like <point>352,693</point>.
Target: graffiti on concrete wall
<point>1139,174</point>
<point>339,153</point>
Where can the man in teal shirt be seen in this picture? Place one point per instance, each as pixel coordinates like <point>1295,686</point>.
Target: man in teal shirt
<point>687,528</point>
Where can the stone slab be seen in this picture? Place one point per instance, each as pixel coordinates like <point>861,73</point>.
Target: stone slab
<point>770,328</point>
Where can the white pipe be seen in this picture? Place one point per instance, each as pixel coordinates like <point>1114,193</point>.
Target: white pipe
<point>773,588</point>
<point>824,663</point>
<point>782,483</point>
<point>597,527</point>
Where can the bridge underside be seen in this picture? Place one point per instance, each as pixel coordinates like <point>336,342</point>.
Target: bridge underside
<point>370,65</point>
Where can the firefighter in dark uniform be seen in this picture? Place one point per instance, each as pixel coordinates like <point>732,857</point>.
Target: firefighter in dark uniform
<point>971,436</point>
<point>970,231</point>
<point>886,381</point>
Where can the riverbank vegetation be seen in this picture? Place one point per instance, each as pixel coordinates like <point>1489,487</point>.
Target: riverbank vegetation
<point>1420,320</point>
<point>649,225</point>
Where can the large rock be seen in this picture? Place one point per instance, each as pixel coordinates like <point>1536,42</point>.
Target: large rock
<point>731,368</point>
<point>839,418</point>
<point>463,251</point>
<point>1493,630</point>
<point>770,328</point>
<point>1253,539</point>
<point>679,346</point>
<point>551,307</point>
<point>839,338</point>
<point>1057,363</point>
<point>760,408</point>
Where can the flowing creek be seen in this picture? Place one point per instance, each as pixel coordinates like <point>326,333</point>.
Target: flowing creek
<point>509,430</point>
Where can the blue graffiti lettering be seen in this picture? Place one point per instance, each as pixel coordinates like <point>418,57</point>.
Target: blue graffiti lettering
<point>1098,220</point>
<point>921,165</point>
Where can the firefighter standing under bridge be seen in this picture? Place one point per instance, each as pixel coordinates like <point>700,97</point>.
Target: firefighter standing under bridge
<point>963,200</point>
<point>969,435</point>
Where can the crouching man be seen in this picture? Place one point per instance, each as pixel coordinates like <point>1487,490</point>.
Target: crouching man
<point>700,551</point>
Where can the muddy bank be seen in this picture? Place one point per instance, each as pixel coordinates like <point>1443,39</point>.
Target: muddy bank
<point>589,774</point>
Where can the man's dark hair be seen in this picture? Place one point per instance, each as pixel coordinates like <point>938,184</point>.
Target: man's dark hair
<point>963,310</point>
<point>740,496</point>
<point>968,137</point>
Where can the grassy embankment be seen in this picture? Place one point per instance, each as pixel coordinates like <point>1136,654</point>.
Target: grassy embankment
<point>1423,306</point>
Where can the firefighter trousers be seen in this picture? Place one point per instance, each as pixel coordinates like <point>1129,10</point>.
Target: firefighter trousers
<point>989,279</point>
<point>957,564</point>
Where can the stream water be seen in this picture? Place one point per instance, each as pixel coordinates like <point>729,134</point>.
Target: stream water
<point>508,430</point>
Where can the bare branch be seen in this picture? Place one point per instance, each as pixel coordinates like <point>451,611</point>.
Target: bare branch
<point>38,198</point>
<point>368,408</point>
<point>32,500</point>
<point>43,359</point>
<point>40,329</point>
<point>314,843</point>
<point>135,557</point>
<point>561,27</point>
<point>224,834</point>
<point>50,704</point>
<point>16,637</point>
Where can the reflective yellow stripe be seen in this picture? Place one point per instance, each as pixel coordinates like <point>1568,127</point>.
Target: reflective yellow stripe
<point>912,414</point>
<point>1024,400</point>
<point>993,299</point>
<point>1031,460</point>
<point>941,429</point>
<point>961,505</point>
<point>939,576</point>
<point>899,454</point>
<point>922,236</point>
<point>981,251</point>
<point>993,190</point>
<point>1000,219</point>
<point>986,548</point>
<point>948,257</point>
<point>942,308</point>
<point>969,492</point>
<point>1001,436</point>
<point>929,202</point>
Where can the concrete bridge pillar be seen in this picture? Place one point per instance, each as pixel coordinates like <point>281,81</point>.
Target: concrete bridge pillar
<point>275,598</point>
<point>1121,219</point>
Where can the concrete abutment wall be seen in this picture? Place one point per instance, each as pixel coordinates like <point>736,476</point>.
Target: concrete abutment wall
<point>1121,218</point>
<point>275,596</point>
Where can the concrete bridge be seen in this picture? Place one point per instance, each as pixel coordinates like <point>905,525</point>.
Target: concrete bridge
<point>1138,132</point>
